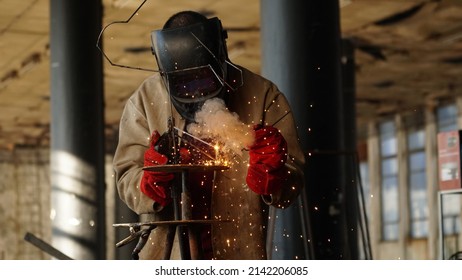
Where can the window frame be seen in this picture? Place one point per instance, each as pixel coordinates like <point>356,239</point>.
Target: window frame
<point>389,228</point>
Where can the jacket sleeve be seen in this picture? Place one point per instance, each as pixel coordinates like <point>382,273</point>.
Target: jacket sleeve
<point>129,157</point>
<point>277,112</point>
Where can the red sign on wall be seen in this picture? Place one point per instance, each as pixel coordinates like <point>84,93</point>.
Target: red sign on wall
<point>449,160</point>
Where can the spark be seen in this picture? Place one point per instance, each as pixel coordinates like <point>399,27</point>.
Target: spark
<point>197,138</point>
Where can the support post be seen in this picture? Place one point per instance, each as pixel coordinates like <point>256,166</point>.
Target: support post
<point>77,130</point>
<point>301,53</point>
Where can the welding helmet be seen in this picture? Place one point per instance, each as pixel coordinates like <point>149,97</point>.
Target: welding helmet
<point>192,62</point>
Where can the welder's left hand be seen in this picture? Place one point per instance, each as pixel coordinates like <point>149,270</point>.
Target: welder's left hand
<point>267,156</point>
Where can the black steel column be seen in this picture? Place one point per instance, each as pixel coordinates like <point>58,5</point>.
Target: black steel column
<point>301,53</point>
<point>284,41</point>
<point>350,160</point>
<point>77,129</point>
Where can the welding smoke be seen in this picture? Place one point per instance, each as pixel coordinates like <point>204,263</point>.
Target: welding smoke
<point>214,121</point>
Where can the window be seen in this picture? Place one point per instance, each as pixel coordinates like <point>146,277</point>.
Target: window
<point>416,177</point>
<point>447,121</point>
<point>365,195</point>
<point>446,118</point>
<point>364,171</point>
<point>389,184</point>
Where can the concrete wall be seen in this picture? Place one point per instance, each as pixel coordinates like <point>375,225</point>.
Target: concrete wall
<point>25,203</point>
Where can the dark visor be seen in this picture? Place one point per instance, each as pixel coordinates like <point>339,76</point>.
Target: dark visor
<point>194,84</point>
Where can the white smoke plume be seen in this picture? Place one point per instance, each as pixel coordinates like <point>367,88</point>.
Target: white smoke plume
<point>216,122</point>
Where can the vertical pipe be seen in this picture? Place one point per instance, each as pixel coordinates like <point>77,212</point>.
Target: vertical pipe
<point>350,163</point>
<point>283,44</point>
<point>301,51</point>
<point>77,129</point>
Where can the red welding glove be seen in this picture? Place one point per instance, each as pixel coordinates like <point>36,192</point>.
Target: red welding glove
<point>156,185</point>
<point>267,156</point>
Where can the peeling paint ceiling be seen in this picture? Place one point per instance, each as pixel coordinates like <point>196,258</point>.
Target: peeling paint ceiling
<point>408,55</point>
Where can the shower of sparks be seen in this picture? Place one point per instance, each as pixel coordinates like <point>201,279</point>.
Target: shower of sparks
<point>218,158</point>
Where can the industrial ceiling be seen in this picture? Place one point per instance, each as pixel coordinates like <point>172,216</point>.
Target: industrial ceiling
<point>408,55</point>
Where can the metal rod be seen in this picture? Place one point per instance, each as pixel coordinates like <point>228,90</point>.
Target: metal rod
<point>44,246</point>
<point>197,138</point>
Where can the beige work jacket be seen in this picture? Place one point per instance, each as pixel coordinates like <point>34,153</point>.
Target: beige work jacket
<point>258,101</point>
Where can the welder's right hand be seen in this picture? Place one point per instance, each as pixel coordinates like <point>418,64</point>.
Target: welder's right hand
<point>156,185</point>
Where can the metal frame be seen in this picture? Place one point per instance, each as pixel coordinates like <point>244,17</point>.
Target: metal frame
<point>440,217</point>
